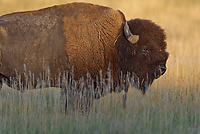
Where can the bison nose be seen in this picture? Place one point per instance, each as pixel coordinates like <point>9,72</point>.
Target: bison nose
<point>163,70</point>
<point>160,71</point>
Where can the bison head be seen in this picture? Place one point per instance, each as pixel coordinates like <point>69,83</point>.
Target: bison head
<point>142,51</point>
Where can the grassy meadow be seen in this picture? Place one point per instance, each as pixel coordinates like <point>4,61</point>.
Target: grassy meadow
<point>171,105</point>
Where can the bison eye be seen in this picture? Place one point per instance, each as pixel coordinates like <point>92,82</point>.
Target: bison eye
<point>145,49</point>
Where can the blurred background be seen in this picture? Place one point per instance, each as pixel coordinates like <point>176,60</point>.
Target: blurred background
<point>179,18</point>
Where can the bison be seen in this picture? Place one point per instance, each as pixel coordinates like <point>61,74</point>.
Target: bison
<point>83,38</point>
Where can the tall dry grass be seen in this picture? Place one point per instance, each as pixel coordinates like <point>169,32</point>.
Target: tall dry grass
<point>171,105</point>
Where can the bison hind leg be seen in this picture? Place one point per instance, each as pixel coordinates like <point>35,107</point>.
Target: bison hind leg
<point>4,80</point>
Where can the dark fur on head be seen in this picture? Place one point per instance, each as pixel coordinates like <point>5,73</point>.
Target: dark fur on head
<point>146,56</point>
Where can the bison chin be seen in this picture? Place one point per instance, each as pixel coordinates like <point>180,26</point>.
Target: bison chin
<point>146,81</point>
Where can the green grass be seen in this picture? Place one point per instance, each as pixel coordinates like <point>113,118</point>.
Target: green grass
<point>166,111</point>
<point>171,105</point>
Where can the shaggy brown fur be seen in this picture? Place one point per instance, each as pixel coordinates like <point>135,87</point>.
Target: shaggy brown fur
<point>144,57</point>
<point>84,36</point>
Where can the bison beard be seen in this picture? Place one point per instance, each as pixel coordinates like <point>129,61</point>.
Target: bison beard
<point>85,39</point>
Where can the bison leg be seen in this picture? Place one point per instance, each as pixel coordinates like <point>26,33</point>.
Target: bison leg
<point>124,100</point>
<point>68,98</point>
<point>76,95</point>
<point>0,85</point>
<point>125,91</point>
<point>4,79</point>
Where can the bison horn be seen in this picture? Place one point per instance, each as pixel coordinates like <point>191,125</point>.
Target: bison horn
<point>129,36</point>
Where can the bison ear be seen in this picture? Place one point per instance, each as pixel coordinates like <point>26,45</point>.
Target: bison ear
<point>129,36</point>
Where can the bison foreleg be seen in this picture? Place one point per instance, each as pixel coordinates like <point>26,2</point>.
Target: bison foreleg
<point>125,91</point>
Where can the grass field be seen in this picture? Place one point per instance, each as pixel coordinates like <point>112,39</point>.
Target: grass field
<point>171,105</point>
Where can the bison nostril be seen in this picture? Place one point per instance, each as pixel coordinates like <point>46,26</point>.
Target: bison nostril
<point>163,70</point>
